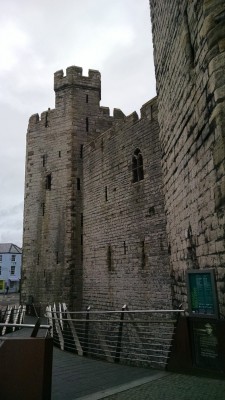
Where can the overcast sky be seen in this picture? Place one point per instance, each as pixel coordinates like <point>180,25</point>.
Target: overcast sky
<point>39,37</point>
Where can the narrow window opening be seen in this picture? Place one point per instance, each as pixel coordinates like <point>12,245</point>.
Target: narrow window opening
<point>81,240</point>
<point>57,257</point>
<point>59,154</point>
<point>109,258</point>
<point>38,259</point>
<point>48,182</point>
<point>43,209</point>
<point>86,98</point>
<point>44,160</point>
<point>106,193</point>
<point>46,120</point>
<point>143,258</point>
<point>81,219</point>
<point>78,183</point>
<point>137,166</point>
<point>124,248</point>
<point>81,150</point>
<point>87,124</point>
<point>152,211</point>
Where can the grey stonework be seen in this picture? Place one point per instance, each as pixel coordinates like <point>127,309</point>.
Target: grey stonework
<point>91,234</point>
<point>125,248</point>
<point>189,53</point>
<point>99,238</point>
<point>52,248</point>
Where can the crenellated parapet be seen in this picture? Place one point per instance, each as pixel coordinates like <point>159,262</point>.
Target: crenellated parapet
<point>149,110</point>
<point>74,77</point>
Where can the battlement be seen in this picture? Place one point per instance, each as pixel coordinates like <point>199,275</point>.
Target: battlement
<point>149,110</point>
<point>74,77</point>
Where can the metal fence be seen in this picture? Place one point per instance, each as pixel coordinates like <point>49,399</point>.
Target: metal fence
<point>10,317</point>
<point>134,337</point>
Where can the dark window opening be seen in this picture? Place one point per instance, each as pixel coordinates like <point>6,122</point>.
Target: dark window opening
<point>124,248</point>
<point>43,209</point>
<point>143,258</point>
<point>106,193</point>
<point>81,240</point>
<point>109,258</point>
<point>81,219</point>
<point>38,258</point>
<point>86,98</point>
<point>44,160</point>
<point>152,211</point>
<point>46,120</point>
<point>81,150</point>
<point>87,124</point>
<point>137,166</point>
<point>48,182</point>
<point>57,257</point>
<point>59,154</point>
<point>78,183</point>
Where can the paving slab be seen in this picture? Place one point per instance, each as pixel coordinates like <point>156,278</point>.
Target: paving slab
<point>76,377</point>
<point>174,387</point>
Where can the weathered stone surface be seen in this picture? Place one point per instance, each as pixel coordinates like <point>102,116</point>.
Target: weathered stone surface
<point>191,98</point>
<point>92,235</point>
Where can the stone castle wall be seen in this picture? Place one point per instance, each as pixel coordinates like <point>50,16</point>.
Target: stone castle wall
<point>125,247</point>
<point>91,234</point>
<point>189,52</point>
<point>52,244</point>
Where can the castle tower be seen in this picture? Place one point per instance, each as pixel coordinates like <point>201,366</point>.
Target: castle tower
<point>189,53</point>
<point>53,213</point>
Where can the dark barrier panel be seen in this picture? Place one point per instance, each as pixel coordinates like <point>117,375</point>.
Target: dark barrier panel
<point>198,346</point>
<point>25,368</point>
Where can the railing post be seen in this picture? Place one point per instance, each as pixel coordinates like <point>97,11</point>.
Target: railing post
<point>86,330</point>
<point>120,332</point>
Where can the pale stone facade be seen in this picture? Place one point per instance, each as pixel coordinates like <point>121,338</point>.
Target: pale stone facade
<point>189,52</point>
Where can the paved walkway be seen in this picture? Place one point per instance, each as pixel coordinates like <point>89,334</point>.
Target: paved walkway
<point>81,378</point>
<point>77,377</point>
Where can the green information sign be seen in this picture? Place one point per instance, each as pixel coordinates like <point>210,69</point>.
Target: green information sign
<point>202,294</point>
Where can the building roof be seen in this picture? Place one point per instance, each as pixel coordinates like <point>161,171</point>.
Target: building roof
<point>10,248</point>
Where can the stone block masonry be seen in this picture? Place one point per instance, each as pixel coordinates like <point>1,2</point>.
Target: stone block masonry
<point>125,247</point>
<point>52,241</point>
<point>189,54</point>
<point>94,223</point>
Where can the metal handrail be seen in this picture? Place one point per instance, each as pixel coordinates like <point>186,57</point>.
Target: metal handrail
<point>119,311</point>
<point>24,326</point>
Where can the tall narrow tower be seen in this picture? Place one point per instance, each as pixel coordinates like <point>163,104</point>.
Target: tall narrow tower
<point>53,215</point>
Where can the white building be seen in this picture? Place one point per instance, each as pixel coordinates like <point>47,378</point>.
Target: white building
<point>10,267</point>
